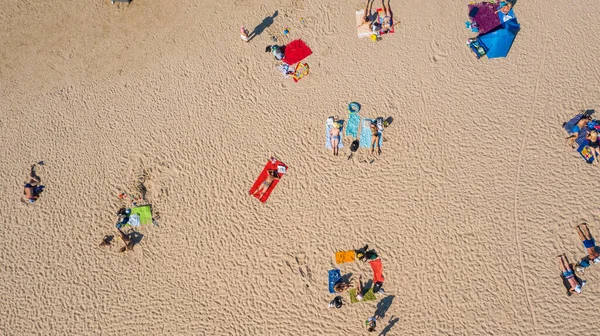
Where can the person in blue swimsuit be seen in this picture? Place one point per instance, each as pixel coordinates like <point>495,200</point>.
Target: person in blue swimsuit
<point>590,245</point>
<point>569,275</point>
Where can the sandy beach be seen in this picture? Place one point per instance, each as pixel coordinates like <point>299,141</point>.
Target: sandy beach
<point>470,202</point>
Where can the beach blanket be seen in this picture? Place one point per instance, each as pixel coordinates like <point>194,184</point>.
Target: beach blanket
<point>296,51</point>
<point>272,164</point>
<point>362,28</point>
<point>335,275</point>
<point>368,296</point>
<point>328,127</point>
<point>377,269</point>
<point>342,257</point>
<point>569,125</point>
<point>380,17</point>
<point>586,152</point>
<point>145,213</point>
<point>484,16</point>
<point>300,71</point>
<point>353,124</point>
<point>366,134</point>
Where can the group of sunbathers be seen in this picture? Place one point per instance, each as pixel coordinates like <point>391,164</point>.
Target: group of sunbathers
<point>370,256</point>
<point>582,130</point>
<point>378,27</point>
<point>575,284</point>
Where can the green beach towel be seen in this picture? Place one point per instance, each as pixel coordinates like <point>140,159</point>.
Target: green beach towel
<point>369,295</point>
<point>145,213</point>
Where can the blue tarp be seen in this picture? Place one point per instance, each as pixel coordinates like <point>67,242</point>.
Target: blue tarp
<point>497,43</point>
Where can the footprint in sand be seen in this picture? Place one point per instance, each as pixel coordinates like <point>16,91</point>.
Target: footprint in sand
<point>300,267</point>
<point>438,55</point>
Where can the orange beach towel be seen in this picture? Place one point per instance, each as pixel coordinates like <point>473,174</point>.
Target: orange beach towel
<point>345,256</point>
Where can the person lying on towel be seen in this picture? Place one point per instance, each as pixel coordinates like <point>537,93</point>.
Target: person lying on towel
<point>574,132</point>
<point>592,138</point>
<point>272,176</point>
<point>589,244</point>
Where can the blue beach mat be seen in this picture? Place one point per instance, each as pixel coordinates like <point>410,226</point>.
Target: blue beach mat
<point>328,135</point>
<point>568,126</point>
<point>353,124</point>
<point>334,277</point>
<point>366,134</point>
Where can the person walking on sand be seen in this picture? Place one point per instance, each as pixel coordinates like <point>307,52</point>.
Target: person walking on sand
<point>262,189</point>
<point>127,240</point>
<point>569,275</point>
<point>590,245</point>
<point>371,323</point>
<point>335,137</point>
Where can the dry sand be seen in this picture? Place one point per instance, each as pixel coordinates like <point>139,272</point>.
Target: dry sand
<point>472,199</point>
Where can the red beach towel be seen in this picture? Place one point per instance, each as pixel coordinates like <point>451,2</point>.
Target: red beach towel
<point>296,51</point>
<point>272,164</point>
<point>377,268</point>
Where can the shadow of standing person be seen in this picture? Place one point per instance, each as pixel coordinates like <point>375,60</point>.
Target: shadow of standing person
<point>266,23</point>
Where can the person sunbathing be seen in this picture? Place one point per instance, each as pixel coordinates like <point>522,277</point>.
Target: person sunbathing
<point>367,12</point>
<point>31,189</point>
<point>375,135</point>
<point>335,137</point>
<point>262,189</point>
<point>388,20</point>
<point>588,242</point>
<point>592,138</point>
<point>574,132</point>
<point>569,275</point>
<point>506,6</point>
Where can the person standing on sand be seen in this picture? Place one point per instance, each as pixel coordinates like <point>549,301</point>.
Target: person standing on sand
<point>371,323</point>
<point>127,240</point>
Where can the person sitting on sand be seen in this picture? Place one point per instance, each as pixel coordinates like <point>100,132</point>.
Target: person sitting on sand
<point>31,189</point>
<point>335,137</point>
<point>375,135</point>
<point>592,138</point>
<point>262,189</point>
<point>569,275</point>
<point>589,243</point>
<point>359,288</point>
<point>341,286</point>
